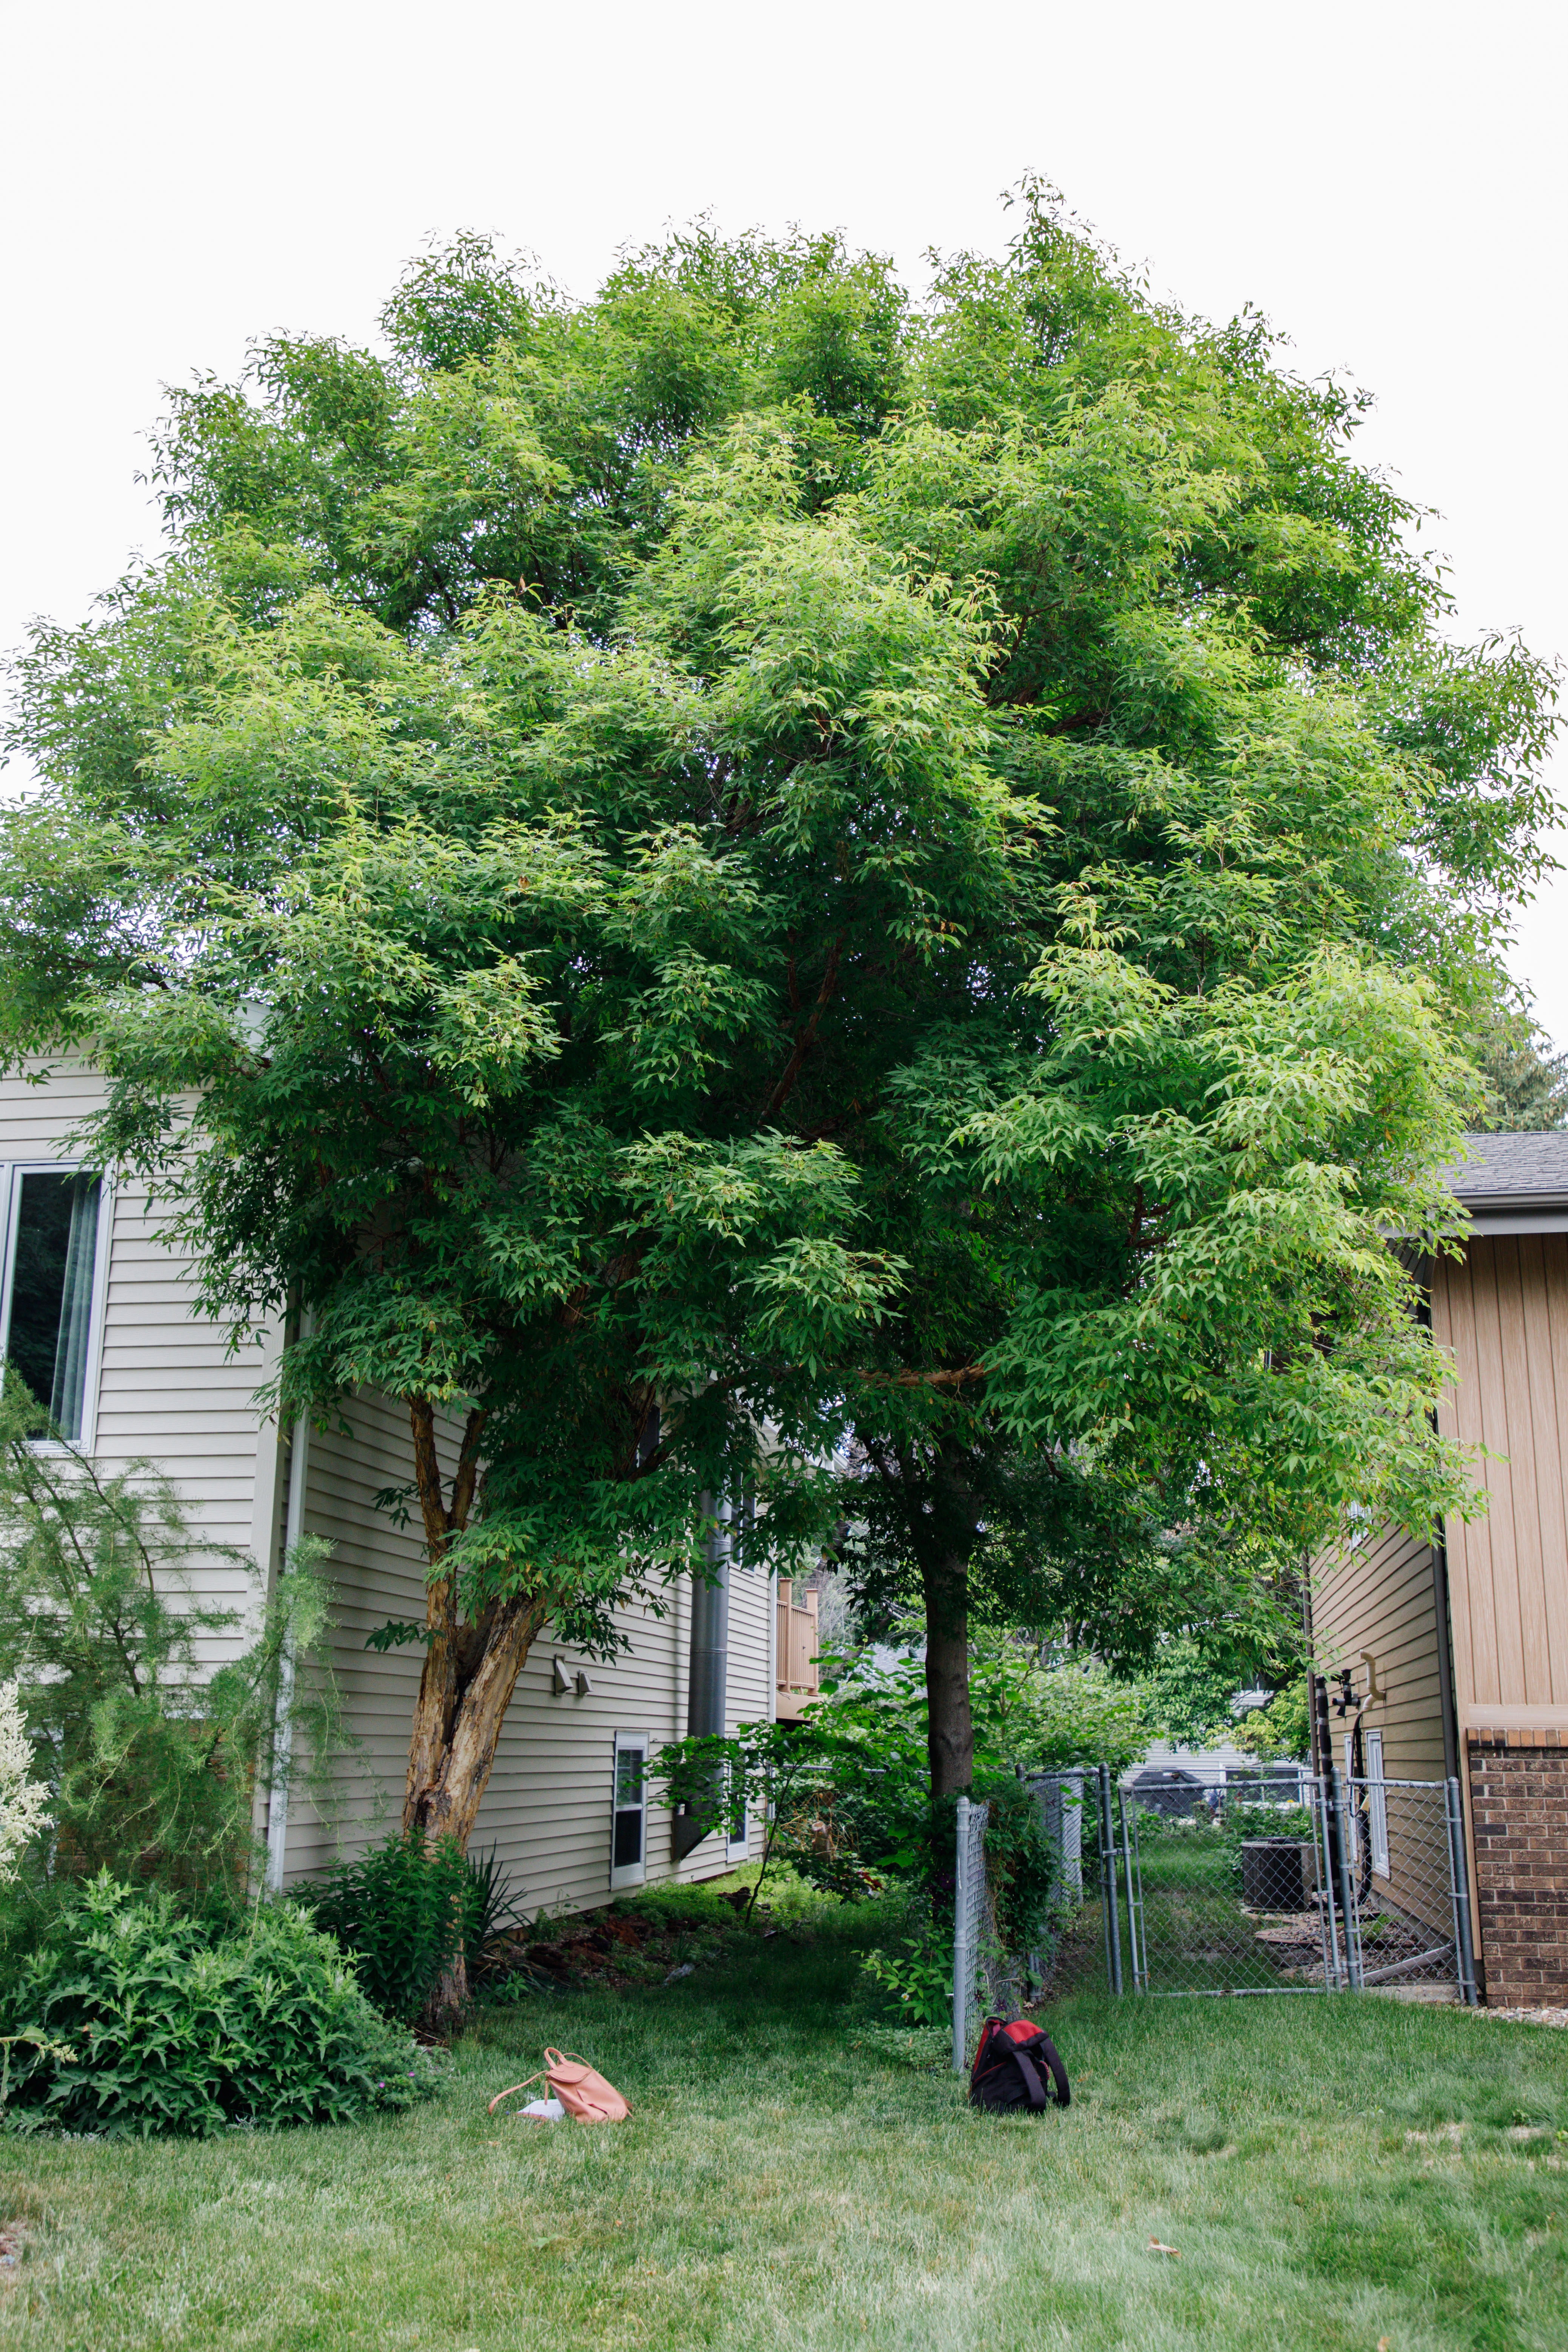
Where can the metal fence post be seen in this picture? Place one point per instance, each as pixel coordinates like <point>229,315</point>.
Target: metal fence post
<point>962,1966</point>
<point>1459,1880</point>
<point>1347,1891</point>
<point>1108,1883</point>
<point>1139,1950</point>
<point>1328,1916</point>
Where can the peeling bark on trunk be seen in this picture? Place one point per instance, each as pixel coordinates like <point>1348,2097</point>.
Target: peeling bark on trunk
<point>470,1672</point>
<point>445,1801</point>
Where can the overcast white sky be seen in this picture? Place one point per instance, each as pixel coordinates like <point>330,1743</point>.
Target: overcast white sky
<point>1385,179</point>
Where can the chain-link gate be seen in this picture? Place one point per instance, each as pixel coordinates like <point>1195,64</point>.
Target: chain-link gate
<point>1273,1882</point>
<point>1409,1907</point>
<point>1359,1883</point>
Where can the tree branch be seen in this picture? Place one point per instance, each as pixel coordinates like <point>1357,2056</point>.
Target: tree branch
<point>806,1037</point>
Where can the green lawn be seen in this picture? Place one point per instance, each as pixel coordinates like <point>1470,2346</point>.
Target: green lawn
<point>1334,2173</point>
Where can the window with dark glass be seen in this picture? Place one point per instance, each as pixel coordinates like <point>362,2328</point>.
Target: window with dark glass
<point>53,1257</point>
<point>630,1805</point>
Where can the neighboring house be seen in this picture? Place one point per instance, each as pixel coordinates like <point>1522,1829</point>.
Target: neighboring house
<point>1456,1655</point>
<point>101,1317</point>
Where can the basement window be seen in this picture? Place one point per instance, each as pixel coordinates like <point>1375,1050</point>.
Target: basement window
<point>628,1815</point>
<point>49,1306</point>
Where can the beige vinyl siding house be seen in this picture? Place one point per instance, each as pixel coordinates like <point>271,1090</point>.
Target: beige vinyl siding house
<point>161,1383</point>
<point>1456,1655</point>
<point>1374,1614</point>
<point>1502,1311</point>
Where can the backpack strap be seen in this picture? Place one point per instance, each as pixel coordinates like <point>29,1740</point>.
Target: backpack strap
<point>1032,2081</point>
<point>515,2088</point>
<point>1047,2049</point>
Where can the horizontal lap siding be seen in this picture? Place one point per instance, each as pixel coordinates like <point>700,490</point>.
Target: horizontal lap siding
<point>547,1810</point>
<point>548,1806</point>
<point>378,1573</point>
<point>168,1390</point>
<point>750,1679</point>
<point>1380,1598</point>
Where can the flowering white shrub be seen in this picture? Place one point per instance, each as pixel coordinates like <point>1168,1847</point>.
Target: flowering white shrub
<point>23,1800</point>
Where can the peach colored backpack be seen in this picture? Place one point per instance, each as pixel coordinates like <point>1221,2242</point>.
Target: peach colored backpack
<point>586,2097</point>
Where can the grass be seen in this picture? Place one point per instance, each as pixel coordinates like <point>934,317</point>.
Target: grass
<point>1336,2173</point>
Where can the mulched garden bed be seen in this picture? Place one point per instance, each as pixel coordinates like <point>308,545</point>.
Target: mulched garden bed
<point>617,1948</point>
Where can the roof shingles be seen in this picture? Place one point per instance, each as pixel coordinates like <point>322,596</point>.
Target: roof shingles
<point>1525,1167</point>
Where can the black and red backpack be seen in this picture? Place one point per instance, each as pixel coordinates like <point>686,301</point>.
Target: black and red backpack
<point>1016,2066</point>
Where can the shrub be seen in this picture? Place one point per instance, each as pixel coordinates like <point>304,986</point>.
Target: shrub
<point>1023,1870</point>
<point>405,1909</point>
<point>919,1984</point>
<point>172,2026</point>
<point>149,1755</point>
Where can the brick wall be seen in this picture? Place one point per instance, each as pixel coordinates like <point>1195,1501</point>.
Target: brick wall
<point>1519,1799</point>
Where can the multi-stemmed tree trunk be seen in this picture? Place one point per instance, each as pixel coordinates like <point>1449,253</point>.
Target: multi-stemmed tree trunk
<point>470,1667</point>
<point>471,1670</point>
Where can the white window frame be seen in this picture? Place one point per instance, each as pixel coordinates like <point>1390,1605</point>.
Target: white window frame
<point>12,1172</point>
<point>629,1873</point>
<point>1377,1803</point>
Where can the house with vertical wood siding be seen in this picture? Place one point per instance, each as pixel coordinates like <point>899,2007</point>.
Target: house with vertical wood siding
<point>100,1314</point>
<point>1451,1659</point>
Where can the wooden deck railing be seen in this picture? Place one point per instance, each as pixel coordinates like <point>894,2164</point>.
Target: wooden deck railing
<point>794,1671</point>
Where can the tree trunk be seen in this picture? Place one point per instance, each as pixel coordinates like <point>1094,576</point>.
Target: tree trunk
<point>944,1524</point>
<point>445,1799</point>
<point>470,1672</point>
<point>949,1728</point>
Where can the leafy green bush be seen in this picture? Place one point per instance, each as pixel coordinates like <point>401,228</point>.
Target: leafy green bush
<point>1023,1869</point>
<point>173,2028</point>
<point>1240,1821</point>
<point>917,1978</point>
<point>405,1909</point>
<point>151,1757</point>
<point>1042,1713</point>
<point>1280,1728</point>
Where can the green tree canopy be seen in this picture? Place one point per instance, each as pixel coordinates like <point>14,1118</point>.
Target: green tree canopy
<point>750,872</point>
<point>1525,1080</point>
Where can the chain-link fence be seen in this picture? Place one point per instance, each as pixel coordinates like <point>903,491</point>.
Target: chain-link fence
<point>972,1928</point>
<point>1272,1882</point>
<point>1075,1944</point>
<point>1332,1885</point>
<point>1408,1911</point>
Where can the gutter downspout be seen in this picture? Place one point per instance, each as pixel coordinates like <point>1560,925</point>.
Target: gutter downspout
<point>1453,1767</point>
<point>1441,1606</point>
<point>283,1721</point>
<point>708,1687</point>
